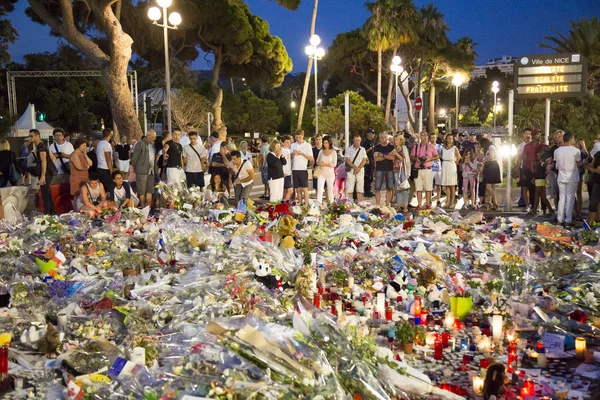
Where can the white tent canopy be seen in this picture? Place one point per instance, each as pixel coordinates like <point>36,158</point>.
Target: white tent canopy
<point>28,121</point>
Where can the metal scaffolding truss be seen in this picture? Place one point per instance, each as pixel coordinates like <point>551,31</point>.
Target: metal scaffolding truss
<point>12,90</point>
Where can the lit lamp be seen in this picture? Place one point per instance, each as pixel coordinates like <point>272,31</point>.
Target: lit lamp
<point>449,320</point>
<point>457,80</point>
<point>497,327</point>
<point>315,53</point>
<point>528,388</point>
<point>174,19</point>
<point>580,347</point>
<point>396,69</point>
<point>485,345</point>
<point>495,90</point>
<point>477,384</point>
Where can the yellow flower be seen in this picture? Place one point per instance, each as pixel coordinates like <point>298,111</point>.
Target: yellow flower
<point>100,253</point>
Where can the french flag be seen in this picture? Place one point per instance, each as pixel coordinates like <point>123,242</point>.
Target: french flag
<point>59,258</point>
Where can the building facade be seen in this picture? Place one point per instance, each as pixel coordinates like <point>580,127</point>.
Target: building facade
<point>505,64</point>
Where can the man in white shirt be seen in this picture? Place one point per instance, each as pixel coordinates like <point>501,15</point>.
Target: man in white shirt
<point>301,155</point>
<point>215,146</point>
<point>194,157</point>
<point>287,168</point>
<point>356,158</point>
<point>243,176</point>
<point>104,153</point>
<point>62,151</point>
<point>568,160</point>
<point>185,139</point>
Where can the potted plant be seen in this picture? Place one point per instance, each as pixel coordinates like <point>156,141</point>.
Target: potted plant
<point>130,263</point>
<point>405,335</point>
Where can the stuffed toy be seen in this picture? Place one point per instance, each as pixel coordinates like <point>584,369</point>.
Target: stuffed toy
<point>286,226</point>
<point>396,287</point>
<point>435,296</point>
<point>264,274</point>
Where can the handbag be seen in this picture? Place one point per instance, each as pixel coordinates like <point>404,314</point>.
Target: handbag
<point>66,166</point>
<point>349,168</point>
<point>13,175</point>
<point>403,183</point>
<point>318,169</point>
<point>414,172</point>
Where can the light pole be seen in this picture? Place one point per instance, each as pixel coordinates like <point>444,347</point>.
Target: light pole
<point>495,89</point>
<point>154,13</point>
<point>315,53</point>
<point>292,107</point>
<point>457,80</point>
<point>397,69</point>
<point>443,114</point>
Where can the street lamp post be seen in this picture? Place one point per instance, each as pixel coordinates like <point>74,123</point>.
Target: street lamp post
<point>292,107</point>
<point>457,80</point>
<point>315,53</point>
<point>154,13</point>
<point>495,89</point>
<point>397,69</point>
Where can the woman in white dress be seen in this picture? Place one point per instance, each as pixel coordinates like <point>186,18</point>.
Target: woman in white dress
<point>450,157</point>
<point>327,160</point>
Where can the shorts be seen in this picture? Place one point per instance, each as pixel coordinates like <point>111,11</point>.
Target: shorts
<point>287,182</point>
<point>527,178</point>
<point>175,177</point>
<point>437,177</point>
<point>300,179</point>
<point>195,179</point>
<point>594,198</point>
<point>358,179</point>
<point>389,180</point>
<point>424,181</point>
<point>540,183</point>
<point>144,184</point>
<point>523,177</point>
<point>264,176</point>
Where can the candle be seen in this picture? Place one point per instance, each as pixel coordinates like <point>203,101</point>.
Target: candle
<point>477,385</point>
<point>322,275</point>
<point>449,320</point>
<point>445,339</point>
<point>338,307</point>
<point>529,386</point>
<point>350,281</point>
<point>485,345</point>
<point>464,344</point>
<point>4,359</point>
<point>317,300</point>
<point>438,350</point>
<point>497,327</point>
<point>389,313</point>
<point>513,358</point>
<point>138,355</point>
<point>453,345</point>
<point>466,359</point>
<point>580,347</point>
<point>458,252</point>
<point>380,303</point>
<point>542,361</point>
<point>430,339</point>
<point>417,307</point>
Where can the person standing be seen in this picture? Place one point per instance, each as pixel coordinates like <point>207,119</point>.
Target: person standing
<point>523,200</point>
<point>369,145</point>
<point>243,176</point>
<point>62,153</point>
<point>436,167</point>
<point>528,160</point>
<point>80,165</point>
<point>491,172</point>
<point>44,159</point>
<point>104,153</point>
<point>173,159</point>
<point>384,155</point>
<point>123,150</point>
<point>327,160</point>
<point>316,149</point>
<point>356,159</point>
<point>246,154</point>
<point>194,158</point>
<point>469,175</point>
<point>450,157</point>
<point>584,157</point>
<point>594,169</point>
<point>185,137</point>
<point>262,164</point>
<point>402,172</point>
<point>568,160</point>
<point>287,168</point>
<point>301,155</point>
<point>423,154</point>
<point>9,168</point>
<point>553,173</point>
<point>275,163</point>
<point>143,160</point>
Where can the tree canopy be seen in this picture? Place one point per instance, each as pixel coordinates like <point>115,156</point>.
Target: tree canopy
<point>245,112</point>
<point>8,34</point>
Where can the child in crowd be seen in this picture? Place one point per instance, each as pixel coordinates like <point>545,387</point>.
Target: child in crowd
<point>121,194</point>
<point>469,173</point>
<point>539,180</point>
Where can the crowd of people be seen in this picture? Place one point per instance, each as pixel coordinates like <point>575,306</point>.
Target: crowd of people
<point>103,174</point>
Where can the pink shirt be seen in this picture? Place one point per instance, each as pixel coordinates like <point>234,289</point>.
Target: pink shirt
<point>422,150</point>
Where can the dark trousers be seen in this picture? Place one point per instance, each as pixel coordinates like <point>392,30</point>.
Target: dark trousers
<point>195,179</point>
<point>105,179</point>
<point>460,183</point>
<point>46,194</point>
<point>369,177</point>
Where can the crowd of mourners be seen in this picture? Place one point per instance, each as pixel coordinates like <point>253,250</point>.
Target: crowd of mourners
<point>438,168</point>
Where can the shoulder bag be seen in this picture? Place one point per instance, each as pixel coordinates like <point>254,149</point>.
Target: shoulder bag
<point>318,169</point>
<point>403,183</point>
<point>66,166</point>
<point>349,168</point>
<point>200,158</point>
<point>414,173</point>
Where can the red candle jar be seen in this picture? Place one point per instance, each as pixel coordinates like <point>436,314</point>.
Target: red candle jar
<point>376,315</point>
<point>4,359</point>
<point>388,313</point>
<point>317,300</point>
<point>484,363</point>
<point>446,339</point>
<point>437,350</point>
<point>530,386</point>
<point>333,310</point>
<point>486,331</point>
<point>466,359</point>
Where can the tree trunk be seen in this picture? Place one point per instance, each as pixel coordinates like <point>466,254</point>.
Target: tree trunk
<point>216,106</point>
<point>308,69</point>
<point>391,82</point>
<point>411,116</point>
<point>431,117</point>
<point>379,66</point>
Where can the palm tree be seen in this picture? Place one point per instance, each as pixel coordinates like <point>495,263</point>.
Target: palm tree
<point>308,68</point>
<point>584,38</point>
<point>379,31</point>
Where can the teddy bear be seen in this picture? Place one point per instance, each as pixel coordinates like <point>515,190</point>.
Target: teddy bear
<point>396,287</point>
<point>286,226</point>
<point>435,296</point>
<point>264,274</point>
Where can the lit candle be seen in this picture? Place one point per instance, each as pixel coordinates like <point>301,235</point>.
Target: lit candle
<point>350,281</point>
<point>513,358</point>
<point>380,303</point>
<point>389,312</point>
<point>497,327</point>
<point>485,345</point>
<point>438,349</point>
<point>449,320</point>
<point>542,361</point>
<point>477,385</point>
<point>529,386</point>
<point>580,347</point>
<point>430,339</point>
<point>317,300</point>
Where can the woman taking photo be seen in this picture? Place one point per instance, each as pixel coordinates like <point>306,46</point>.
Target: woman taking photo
<point>275,162</point>
<point>402,171</point>
<point>327,160</point>
<point>491,173</point>
<point>450,157</point>
<point>80,164</point>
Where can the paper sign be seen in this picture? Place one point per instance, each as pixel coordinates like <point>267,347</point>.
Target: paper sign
<point>188,206</point>
<point>554,343</point>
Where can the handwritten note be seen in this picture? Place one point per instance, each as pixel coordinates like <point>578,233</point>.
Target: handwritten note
<point>554,344</point>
